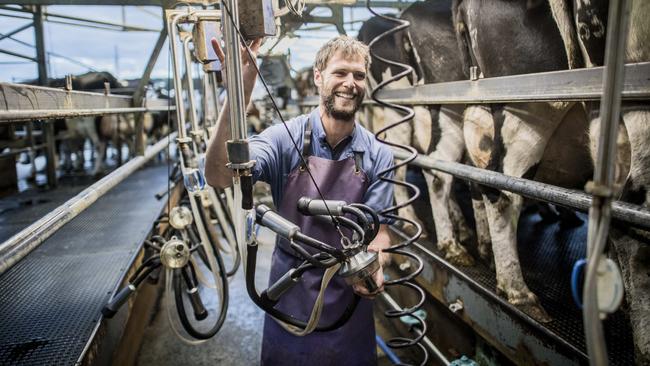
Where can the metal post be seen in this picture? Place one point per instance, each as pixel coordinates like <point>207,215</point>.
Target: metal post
<point>233,76</point>
<point>178,85</point>
<point>601,187</point>
<point>139,94</point>
<point>41,57</point>
<point>187,57</point>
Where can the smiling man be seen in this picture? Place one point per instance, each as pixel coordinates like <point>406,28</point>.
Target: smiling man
<point>345,160</point>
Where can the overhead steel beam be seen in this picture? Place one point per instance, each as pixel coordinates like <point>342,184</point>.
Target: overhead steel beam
<point>116,26</point>
<point>357,4</point>
<point>15,31</point>
<point>7,52</point>
<point>20,102</point>
<point>636,215</point>
<point>567,85</point>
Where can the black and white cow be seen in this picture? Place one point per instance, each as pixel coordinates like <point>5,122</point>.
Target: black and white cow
<point>430,47</point>
<point>584,24</point>
<point>544,141</point>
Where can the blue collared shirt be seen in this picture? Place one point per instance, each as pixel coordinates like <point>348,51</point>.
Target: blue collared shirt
<point>277,157</point>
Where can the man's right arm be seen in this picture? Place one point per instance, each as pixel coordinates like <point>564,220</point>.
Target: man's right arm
<point>216,172</point>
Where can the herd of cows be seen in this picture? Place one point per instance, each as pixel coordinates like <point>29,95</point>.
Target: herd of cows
<point>551,142</point>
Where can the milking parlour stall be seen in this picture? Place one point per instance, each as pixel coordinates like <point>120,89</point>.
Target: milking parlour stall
<point>326,182</point>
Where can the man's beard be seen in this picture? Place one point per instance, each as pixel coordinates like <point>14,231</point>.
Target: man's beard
<point>345,115</point>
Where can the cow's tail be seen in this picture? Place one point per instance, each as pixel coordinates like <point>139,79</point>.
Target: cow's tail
<point>563,15</point>
<point>462,37</point>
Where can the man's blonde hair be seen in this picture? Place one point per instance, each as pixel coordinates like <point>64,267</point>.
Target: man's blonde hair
<point>349,46</point>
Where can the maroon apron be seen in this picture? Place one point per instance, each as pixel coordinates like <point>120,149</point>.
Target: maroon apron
<point>354,342</point>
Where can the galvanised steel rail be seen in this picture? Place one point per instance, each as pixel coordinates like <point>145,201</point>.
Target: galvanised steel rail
<point>566,85</point>
<point>22,243</point>
<point>20,102</point>
<point>637,215</point>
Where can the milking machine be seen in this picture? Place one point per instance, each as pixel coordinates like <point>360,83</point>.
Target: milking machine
<point>190,249</point>
<point>353,261</point>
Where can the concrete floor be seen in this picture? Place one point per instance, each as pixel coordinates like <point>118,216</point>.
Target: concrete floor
<point>237,343</point>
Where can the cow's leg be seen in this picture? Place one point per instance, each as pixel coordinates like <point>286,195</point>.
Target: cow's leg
<point>461,229</point>
<point>483,239</point>
<point>478,132</point>
<point>449,147</point>
<point>525,132</point>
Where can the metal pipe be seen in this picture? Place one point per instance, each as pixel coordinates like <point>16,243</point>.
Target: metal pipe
<point>28,239</point>
<point>15,31</point>
<point>187,57</point>
<point>26,115</point>
<point>567,85</point>
<point>600,212</point>
<point>178,86</point>
<point>234,73</point>
<point>571,198</point>
<point>432,347</point>
<point>11,53</point>
<point>39,38</point>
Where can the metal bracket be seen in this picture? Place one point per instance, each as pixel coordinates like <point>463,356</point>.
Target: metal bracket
<point>599,190</point>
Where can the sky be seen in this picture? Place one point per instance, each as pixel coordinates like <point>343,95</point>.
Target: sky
<point>124,54</point>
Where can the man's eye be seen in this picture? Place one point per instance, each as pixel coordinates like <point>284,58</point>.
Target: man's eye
<point>359,76</point>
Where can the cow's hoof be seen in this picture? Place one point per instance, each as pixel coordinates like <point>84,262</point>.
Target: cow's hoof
<point>536,312</point>
<point>527,302</point>
<point>457,254</point>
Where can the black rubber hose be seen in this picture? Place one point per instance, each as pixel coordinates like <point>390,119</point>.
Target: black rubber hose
<point>267,306</point>
<point>180,307</point>
<point>200,312</point>
<point>373,215</point>
<point>213,236</point>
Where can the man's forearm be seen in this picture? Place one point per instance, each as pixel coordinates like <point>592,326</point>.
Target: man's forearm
<point>381,242</point>
<point>216,172</point>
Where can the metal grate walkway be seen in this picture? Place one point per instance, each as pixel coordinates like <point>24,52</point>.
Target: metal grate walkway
<point>50,302</point>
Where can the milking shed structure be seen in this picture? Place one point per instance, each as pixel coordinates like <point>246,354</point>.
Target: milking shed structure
<point>520,226</point>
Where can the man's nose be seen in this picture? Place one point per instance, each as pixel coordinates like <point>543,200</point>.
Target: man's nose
<point>349,80</point>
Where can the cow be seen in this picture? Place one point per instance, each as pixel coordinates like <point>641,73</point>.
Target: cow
<point>542,141</point>
<point>436,130</point>
<point>583,27</point>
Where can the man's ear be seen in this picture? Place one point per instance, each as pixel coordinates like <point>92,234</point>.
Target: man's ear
<point>318,78</point>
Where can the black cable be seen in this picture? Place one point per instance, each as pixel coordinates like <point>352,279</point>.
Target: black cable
<point>384,175</point>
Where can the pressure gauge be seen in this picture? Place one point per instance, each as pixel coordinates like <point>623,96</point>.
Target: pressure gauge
<point>175,253</point>
<point>180,217</point>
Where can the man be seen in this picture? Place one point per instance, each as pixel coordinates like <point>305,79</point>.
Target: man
<point>345,160</point>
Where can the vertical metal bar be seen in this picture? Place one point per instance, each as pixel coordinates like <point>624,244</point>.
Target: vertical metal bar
<point>40,45</point>
<point>178,85</point>
<point>41,57</point>
<point>187,57</point>
<point>50,153</point>
<point>234,74</point>
<point>139,94</point>
<point>600,212</point>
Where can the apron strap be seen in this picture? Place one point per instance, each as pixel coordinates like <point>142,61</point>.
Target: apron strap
<point>306,141</point>
<point>358,161</point>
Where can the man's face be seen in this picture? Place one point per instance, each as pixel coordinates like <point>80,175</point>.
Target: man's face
<point>342,86</point>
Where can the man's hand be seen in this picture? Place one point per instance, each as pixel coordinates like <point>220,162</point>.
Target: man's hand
<point>249,73</point>
<point>381,241</point>
<point>378,277</point>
